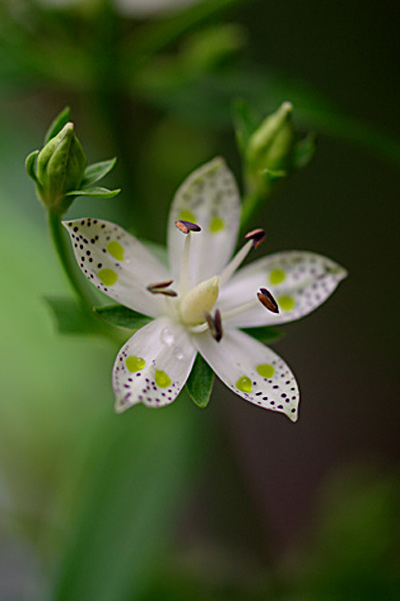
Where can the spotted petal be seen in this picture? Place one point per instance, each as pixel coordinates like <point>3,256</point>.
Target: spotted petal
<point>210,198</point>
<point>252,371</point>
<point>153,366</point>
<point>117,264</point>
<point>299,281</point>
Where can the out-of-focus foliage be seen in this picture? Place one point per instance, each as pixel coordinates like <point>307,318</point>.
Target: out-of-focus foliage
<point>101,502</point>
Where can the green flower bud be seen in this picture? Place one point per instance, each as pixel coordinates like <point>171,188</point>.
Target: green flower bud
<point>271,145</point>
<point>60,169</point>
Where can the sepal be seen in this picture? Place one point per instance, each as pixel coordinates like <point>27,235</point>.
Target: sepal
<point>200,382</point>
<point>266,334</point>
<point>96,172</point>
<point>95,191</point>
<point>30,166</point>
<point>118,315</point>
<point>57,124</point>
<point>69,317</point>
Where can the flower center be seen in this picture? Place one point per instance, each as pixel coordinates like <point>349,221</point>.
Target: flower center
<point>198,301</point>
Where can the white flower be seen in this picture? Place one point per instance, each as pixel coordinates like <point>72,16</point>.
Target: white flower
<point>201,301</point>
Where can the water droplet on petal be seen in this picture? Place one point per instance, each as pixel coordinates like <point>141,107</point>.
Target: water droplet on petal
<point>178,354</point>
<point>167,337</point>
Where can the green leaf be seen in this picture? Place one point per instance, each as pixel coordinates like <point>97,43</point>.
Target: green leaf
<point>130,498</point>
<point>157,36</point>
<point>96,191</point>
<point>57,124</point>
<point>265,334</point>
<point>273,174</point>
<point>207,99</point>
<point>30,165</point>
<point>69,317</point>
<point>121,316</point>
<point>96,171</point>
<point>200,382</point>
<point>304,151</point>
<point>245,123</point>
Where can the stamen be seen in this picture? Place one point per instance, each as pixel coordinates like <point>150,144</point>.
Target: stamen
<point>159,285</point>
<point>214,324</point>
<point>161,288</point>
<point>240,309</point>
<point>257,236</point>
<point>235,263</point>
<point>263,296</point>
<point>187,226</point>
<point>254,239</point>
<point>266,299</point>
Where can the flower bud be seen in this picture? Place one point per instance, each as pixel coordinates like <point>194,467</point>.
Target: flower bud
<point>60,168</point>
<point>270,147</point>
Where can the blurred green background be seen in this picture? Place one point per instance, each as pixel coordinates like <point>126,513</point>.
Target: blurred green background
<point>230,503</point>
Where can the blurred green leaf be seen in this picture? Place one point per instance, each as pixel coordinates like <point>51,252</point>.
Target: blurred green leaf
<point>356,553</point>
<point>304,151</point>
<point>207,98</point>
<point>96,171</point>
<point>265,334</point>
<point>69,316</point>
<point>57,124</point>
<point>131,492</point>
<point>121,316</point>
<point>200,382</point>
<point>245,123</point>
<point>156,36</point>
<point>96,191</point>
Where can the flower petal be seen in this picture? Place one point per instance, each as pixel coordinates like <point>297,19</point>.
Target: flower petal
<point>252,371</point>
<point>117,264</point>
<point>210,198</point>
<point>153,366</point>
<point>299,281</point>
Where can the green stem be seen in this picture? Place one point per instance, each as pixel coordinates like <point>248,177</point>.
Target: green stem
<point>64,254</point>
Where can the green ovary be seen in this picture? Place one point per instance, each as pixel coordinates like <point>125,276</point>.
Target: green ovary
<point>135,363</point>
<point>265,370</point>
<point>107,276</point>
<point>162,379</point>
<point>244,384</point>
<point>199,300</point>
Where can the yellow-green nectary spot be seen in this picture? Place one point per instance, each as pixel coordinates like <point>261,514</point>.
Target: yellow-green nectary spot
<point>162,379</point>
<point>135,363</point>
<point>244,384</point>
<point>187,215</point>
<point>265,370</point>
<point>286,303</point>
<point>217,224</point>
<point>107,276</point>
<point>277,276</point>
<point>116,250</point>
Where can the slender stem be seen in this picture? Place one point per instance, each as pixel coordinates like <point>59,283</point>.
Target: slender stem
<point>66,261</point>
